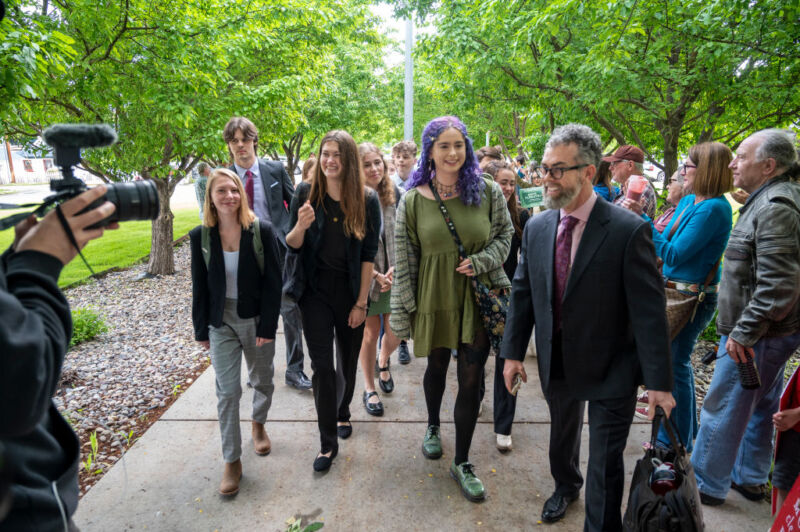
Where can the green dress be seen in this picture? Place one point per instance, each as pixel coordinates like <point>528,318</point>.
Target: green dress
<point>446,310</point>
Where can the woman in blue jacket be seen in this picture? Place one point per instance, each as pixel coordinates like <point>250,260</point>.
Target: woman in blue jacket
<point>691,246</point>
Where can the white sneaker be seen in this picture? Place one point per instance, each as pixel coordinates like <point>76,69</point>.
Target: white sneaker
<point>503,443</point>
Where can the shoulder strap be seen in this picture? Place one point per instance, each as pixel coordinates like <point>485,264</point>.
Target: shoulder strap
<point>675,225</point>
<point>258,245</point>
<point>448,221</point>
<point>205,243</point>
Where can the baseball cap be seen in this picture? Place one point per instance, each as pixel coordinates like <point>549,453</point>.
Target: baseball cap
<point>626,153</point>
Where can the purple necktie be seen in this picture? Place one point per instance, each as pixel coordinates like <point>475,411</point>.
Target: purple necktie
<point>248,187</point>
<point>562,260</point>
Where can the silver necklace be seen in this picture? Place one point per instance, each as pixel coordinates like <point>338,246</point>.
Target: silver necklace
<point>445,191</point>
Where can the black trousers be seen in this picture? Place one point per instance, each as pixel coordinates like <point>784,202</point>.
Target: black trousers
<point>609,426</point>
<point>325,312</point>
<point>505,404</point>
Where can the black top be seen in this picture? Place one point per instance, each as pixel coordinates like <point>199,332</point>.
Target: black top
<point>257,295</point>
<point>40,447</point>
<point>510,265</point>
<point>333,251</point>
<point>358,251</point>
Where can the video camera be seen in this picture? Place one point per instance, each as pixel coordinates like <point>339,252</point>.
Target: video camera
<point>136,200</point>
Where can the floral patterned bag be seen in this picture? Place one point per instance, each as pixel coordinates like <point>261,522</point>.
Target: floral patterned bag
<point>492,302</point>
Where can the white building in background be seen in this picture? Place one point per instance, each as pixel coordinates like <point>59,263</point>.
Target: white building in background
<point>29,168</point>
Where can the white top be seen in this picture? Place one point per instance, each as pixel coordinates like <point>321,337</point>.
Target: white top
<point>231,269</point>
<point>260,206</point>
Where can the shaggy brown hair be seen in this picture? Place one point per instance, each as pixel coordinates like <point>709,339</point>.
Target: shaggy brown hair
<point>385,185</point>
<point>494,168</point>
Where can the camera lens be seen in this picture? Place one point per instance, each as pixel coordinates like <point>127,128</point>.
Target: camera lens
<point>135,200</point>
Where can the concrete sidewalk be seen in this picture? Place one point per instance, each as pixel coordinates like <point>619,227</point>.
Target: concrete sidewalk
<point>380,480</point>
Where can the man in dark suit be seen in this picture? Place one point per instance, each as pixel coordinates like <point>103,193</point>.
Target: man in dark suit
<point>587,279</point>
<point>269,192</point>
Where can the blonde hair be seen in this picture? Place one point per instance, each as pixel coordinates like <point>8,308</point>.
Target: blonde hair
<point>246,216</point>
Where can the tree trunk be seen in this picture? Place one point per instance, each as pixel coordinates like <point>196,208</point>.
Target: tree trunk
<point>161,258</point>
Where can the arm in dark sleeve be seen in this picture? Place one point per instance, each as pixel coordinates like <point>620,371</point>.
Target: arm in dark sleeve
<point>369,247</point>
<point>298,198</point>
<point>271,283</point>
<point>287,186</point>
<point>520,319</point>
<point>35,328</point>
<point>200,295</point>
<point>644,295</point>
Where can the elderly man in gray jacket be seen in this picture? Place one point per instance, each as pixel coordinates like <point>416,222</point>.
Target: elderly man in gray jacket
<point>759,317</point>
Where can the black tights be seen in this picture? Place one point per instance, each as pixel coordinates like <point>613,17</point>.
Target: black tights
<point>471,359</point>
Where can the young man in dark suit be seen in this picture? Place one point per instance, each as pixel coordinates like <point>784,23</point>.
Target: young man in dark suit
<point>587,279</point>
<point>269,190</point>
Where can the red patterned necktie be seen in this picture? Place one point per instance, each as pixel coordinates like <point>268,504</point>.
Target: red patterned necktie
<point>248,187</point>
<point>562,261</point>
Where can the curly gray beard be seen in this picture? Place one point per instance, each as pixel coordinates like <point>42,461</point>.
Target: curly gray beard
<point>566,197</point>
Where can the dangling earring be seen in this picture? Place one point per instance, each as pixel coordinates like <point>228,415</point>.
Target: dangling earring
<point>430,165</point>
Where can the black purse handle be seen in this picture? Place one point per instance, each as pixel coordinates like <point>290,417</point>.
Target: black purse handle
<point>448,221</point>
<point>669,426</point>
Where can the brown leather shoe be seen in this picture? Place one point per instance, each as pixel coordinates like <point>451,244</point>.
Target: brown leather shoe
<point>230,479</point>
<point>261,441</point>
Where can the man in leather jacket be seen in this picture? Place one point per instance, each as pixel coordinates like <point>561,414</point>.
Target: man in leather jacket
<point>759,318</point>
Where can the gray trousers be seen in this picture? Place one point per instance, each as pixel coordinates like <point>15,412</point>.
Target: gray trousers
<point>238,335</point>
<point>293,332</point>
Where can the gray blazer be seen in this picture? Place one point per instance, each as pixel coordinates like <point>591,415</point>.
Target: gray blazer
<point>613,325</point>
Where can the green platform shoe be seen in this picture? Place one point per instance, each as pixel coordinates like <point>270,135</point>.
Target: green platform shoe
<point>471,486</point>
<point>432,443</point>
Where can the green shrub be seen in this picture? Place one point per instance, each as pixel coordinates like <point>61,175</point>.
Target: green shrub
<point>86,324</point>
<point>710,334</point>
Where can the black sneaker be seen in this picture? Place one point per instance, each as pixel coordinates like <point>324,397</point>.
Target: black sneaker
<point>403,354</point>
<point>708,500</point>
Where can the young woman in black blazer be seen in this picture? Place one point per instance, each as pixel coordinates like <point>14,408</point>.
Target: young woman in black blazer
<point>335,227</point>
<point>236,299</point>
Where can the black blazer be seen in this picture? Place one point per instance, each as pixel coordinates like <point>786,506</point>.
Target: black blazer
<point>279,190</point>
<point>257,295</point>
<point>358,250</point>
<point>613,325</point>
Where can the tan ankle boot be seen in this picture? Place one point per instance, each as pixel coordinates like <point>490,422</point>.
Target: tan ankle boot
<point>261,441</point>
<point>230,479</point>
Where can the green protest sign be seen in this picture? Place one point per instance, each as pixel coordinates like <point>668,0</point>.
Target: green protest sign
<point>531,197</point>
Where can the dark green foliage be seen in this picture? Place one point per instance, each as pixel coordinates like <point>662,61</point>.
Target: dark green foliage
<point>86,324</point>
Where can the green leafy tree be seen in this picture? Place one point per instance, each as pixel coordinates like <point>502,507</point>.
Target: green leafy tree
<point>662,75</point>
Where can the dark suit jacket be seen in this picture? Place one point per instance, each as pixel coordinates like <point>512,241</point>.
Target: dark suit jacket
<point>278,188</point>
<point>614,330</point>
<point>358,250</point>
<point>257,295</point>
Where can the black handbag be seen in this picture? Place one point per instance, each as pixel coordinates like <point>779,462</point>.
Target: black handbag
<point>677,510</point>
<point>492,302</point>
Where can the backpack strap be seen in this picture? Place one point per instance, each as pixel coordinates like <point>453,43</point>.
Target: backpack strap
<point>258,244</point>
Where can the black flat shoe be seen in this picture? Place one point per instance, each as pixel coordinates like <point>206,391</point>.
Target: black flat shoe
<point>323,463</point>
<point>403,355</point>
<point>344,431</point>
<point>556,506</point>
<point>373,409</point>
<point>386,386</point>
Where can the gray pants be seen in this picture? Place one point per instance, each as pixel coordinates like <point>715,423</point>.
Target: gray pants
<point>238,335</point>
<point>293,332</point>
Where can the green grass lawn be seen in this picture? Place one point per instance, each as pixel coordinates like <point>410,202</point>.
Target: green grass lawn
<point>119,248</point>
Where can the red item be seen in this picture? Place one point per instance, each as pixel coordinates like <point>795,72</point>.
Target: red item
<point>790,398</point>
<point>636,186</point>
<point>788,517</point>
<point>248,187</point>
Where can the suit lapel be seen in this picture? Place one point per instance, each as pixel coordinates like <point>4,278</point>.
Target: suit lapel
<point>268,180</point>
<point>593,237</point>
<point>549,249</point>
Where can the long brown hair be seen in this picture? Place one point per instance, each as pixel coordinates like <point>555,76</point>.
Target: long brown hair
<point>712,177</point>
<point>246,216</point>
<point>353,200</point>
<point>385,187</point>
<point>494,168</point>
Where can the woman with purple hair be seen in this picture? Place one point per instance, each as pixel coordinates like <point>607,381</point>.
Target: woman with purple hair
<point>432,297</point>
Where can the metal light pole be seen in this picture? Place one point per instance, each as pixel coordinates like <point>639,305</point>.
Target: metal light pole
<point>408,112</point>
